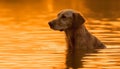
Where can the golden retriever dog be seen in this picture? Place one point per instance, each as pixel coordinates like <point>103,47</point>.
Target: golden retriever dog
<point>79,40</point>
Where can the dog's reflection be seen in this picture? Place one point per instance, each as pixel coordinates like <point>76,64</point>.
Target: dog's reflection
<point>74,58</point>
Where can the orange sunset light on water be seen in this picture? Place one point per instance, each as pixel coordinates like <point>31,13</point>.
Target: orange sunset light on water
<point>27,42</point>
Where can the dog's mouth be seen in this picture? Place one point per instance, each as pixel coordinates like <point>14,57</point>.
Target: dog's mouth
<point>62,30</point>
<point>57,29</point>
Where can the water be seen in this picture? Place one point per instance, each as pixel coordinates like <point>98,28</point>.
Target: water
<point>27,42</point>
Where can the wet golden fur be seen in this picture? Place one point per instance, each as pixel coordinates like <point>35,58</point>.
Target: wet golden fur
<point>79,40</point>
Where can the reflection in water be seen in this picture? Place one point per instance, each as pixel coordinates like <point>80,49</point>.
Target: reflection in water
<point>105,59</point>
<point>26,41</point>
<point>74,59</point>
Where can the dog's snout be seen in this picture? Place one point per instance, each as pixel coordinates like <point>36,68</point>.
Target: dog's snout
<point>50,24</point>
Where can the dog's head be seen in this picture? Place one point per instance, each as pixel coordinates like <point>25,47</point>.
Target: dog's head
<point>67,19</point>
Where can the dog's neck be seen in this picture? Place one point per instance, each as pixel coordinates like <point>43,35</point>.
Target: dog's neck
<point>72,35</point>
<point>80,32</point>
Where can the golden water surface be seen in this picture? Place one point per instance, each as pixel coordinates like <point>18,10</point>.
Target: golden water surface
<point>27,42</point>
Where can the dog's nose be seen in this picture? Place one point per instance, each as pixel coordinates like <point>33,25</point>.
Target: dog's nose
<point>50,24</point>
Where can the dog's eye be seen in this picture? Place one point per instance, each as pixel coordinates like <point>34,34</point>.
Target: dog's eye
<point>63,16</point>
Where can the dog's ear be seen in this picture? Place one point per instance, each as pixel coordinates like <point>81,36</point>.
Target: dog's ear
<point>77,20</point>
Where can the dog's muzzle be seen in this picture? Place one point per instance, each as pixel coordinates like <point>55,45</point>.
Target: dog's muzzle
<point>52,26</point>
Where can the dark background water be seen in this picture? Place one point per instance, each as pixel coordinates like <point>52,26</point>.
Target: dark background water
<point>27,42</point>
